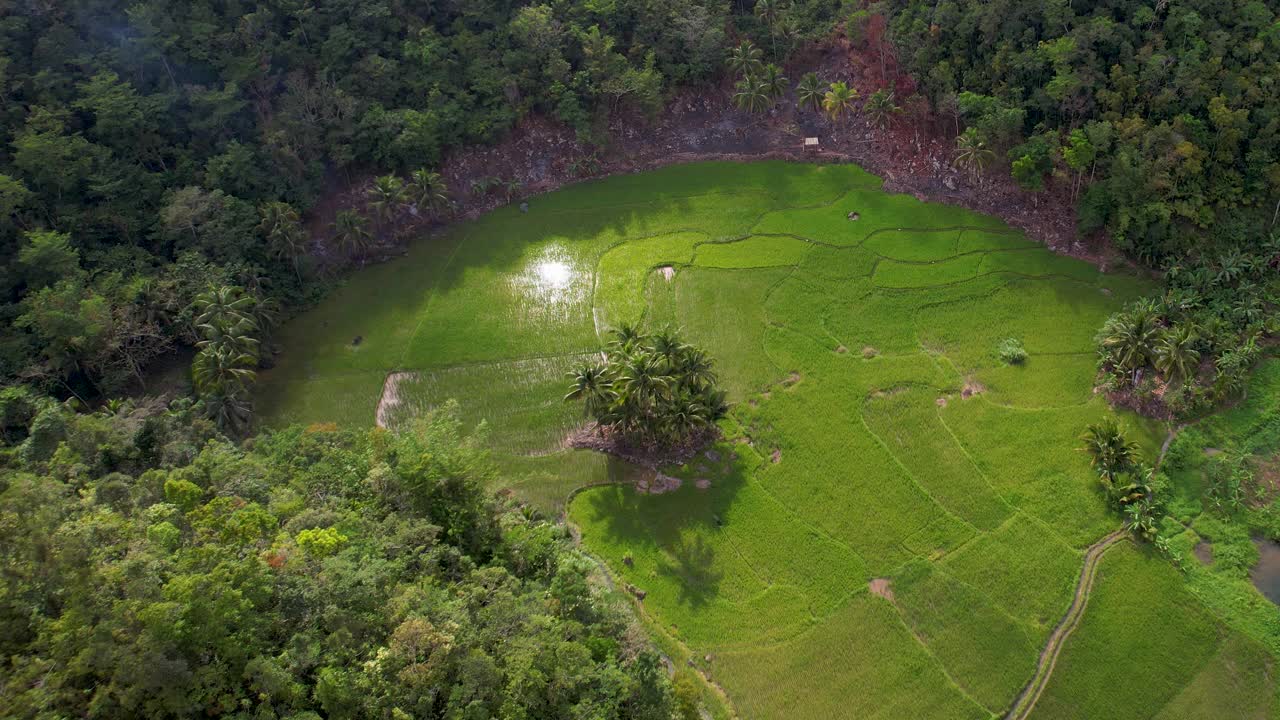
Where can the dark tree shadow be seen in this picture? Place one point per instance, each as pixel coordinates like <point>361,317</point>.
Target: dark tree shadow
<point>680,523</point>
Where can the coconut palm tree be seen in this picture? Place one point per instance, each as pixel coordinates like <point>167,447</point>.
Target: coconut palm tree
<point>745,59</point>
<point>837,102</point>
<point>1128,338</point>
<point>881,108</point>
<point>1176,355</point>
<point>351,231</point>
<point>751,94</point>
<point>222,376</point>
<point>1110,452</point>
<point>773,81</point>
<point>592,385</point>
<point>282,230</point>
<point>809,91</point>
<point>224,316</point>
<point>386,195</point>
<point>694,367</point>
<point>973,154</point>
<point>643,377</point>
<point>769,11</point>
<point>666,345</point>
<point>428,190</point>
<point>627,337</point>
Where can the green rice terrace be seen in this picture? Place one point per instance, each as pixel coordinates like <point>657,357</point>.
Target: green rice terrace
<point>895,522</point>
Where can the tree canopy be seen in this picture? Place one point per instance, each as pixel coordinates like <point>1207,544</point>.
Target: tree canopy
<point>154,569</point>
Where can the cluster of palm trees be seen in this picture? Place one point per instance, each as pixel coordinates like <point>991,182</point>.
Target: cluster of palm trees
<point>230,323</point>
<point>1219,308</point>
<point>759,85</point>
<point>386,198</point>
<point>836,99</point>
<point>1145,337</point>
<point>1127,480</point>
<point>1137,339</point>
<point>650,389</point>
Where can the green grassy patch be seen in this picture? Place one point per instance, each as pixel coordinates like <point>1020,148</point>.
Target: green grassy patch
<point>1140,618</point>
<point>876,433</point>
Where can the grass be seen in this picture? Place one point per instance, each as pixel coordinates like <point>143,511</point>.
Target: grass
<point>876,435</point>
<point>1141,625</point>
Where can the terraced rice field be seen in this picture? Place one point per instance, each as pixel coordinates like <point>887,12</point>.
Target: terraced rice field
<point>895,520</point>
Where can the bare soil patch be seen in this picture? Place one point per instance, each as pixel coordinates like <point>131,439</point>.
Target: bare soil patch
<point>841,349</point>
<point>658,483</point>
<point>593,436</point>
<point>869,352</point>
<point>882,587</point>
<point>942,401</point>
<point>1267,475</point>
<point>776,456</point>
<point>390,399</point>
<point>972,387</point>
<point>668,272</point>
<point>1204,552</point>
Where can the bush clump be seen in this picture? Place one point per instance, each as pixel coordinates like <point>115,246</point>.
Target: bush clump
<point>1011,351</point>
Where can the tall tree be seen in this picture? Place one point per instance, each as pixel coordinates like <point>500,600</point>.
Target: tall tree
<point>282,229</point>
<point>810,91</point>
<point>385,196</point>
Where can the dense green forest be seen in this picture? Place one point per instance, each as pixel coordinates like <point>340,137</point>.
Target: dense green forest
<point>153,569</point>
<point>1163,116</point>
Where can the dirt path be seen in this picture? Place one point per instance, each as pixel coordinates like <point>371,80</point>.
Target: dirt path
<point>1026,701</point>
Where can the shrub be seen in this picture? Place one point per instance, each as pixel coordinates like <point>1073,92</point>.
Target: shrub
<point>1011,352</point>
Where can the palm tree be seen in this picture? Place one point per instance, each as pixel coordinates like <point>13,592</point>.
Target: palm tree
<point>591,384</point>
<point>1109,451</point>
<point>627,337</point>
<point>428,190</point>
<point>385,197</point>
<point>283,232</point>
<point>881,108</point>
<point>667,346</point>
<point>1128,338</point>
<point>773,81</point>
<point>351,231</point>
<point>1175,353</point>
<point>694,367</point>
<point>973,154</point>
<point>643,378</point>
<point>838,100</point>
<point>222,376</point>
<point>745,59</point>
<point>751,94</point>
<point>809,91</point>
<point>225,311</point>
<point>768,11</point>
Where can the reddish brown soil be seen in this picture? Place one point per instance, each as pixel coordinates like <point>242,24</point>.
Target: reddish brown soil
<point>594,437</point>
<point>914,154</point>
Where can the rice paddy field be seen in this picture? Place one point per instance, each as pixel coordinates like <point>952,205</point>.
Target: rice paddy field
<point>894,521</point>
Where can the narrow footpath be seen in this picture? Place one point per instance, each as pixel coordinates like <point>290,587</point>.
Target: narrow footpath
<point>1026,701</point>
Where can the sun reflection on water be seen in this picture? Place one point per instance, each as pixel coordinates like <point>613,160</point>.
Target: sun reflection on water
<point>554,275</point>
